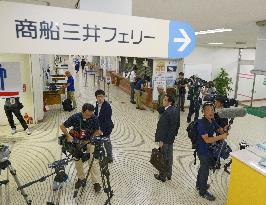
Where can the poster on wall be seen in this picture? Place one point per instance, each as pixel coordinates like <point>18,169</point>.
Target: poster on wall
<point>160,67</point>
<point>170,80</point>
<point>156,84</point>
<point>171,68</point>
<point>10,79</point>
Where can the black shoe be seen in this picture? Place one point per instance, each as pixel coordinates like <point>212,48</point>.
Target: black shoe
<point>208,186</point>
<point>158,177</point>
<point>168,178</point>
<point>133,102</point>
<point>97,187</point>
<point>208,196</point>
<point>79,183</point>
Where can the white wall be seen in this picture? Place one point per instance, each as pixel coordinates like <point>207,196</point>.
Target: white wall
<point>260,89</point>
<point>227,58</point>
<point>108,6</point>
<point>38,63</point>
<point>26,97</point>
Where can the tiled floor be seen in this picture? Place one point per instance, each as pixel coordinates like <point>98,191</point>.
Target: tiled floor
<point>131,173</point>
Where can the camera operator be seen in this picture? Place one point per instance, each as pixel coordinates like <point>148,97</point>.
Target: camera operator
<point>195,87</point>
<point>206,128</point>
<point>219,104</point>
<point>85,126</point>
<point>103,111</point>
<point>209,92</point>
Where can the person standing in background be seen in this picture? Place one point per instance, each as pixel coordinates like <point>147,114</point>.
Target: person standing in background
<point>83,63</point>
<point>132,80</point>
<point>160,107</point>
<point>12,105</point>
<point>138,91</point>
<point>70,89</point>
<point>103,111</point>
<point>181,86</point>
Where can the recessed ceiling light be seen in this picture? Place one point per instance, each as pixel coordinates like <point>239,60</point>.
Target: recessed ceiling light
<point>215,43</point>
<point>219,30</point>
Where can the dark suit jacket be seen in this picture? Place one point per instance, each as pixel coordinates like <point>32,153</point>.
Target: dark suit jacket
<point>168,125</point>
<point>105,118</point>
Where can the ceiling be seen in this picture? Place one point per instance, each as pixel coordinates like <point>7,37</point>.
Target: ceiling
<point>239,15</point>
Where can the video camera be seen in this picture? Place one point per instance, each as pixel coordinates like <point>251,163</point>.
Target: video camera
<point>78,150</point>
<point>4,152</point>
<point>230,102</point>
<point>227,102</point>
<point>74,149</point>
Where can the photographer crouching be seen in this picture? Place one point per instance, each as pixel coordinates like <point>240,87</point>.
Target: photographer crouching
<point>84,125</point>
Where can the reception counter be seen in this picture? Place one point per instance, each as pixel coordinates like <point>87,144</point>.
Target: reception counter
<point>124,84</point>
<point>247,184</point>
<point>52,97</point>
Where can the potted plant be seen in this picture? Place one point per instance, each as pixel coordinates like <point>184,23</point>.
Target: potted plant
<point>223,83</point>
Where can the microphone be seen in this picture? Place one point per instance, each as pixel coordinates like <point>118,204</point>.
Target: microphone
<point>232,112</point>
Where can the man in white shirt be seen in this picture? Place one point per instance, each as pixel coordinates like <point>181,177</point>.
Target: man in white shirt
<point>132,80</point>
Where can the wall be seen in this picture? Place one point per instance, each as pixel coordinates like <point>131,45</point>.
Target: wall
<point>26,97</point>
<point>227,58</point>
<point>111,6</point>
<point>259,89</point>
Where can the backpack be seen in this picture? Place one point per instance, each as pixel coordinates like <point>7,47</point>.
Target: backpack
<point>67,105</point>
<point>193,133</point>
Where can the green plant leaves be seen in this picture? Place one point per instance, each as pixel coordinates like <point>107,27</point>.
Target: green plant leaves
<point>223,83</point>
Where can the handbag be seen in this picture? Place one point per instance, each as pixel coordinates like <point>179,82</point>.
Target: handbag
<point>20,105</point>
<point>157,160</point>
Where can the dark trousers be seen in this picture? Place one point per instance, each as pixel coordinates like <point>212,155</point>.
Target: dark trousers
<point>17,113</point>
<point>109,148</point>
<point>167,151</point>
<point>194,107</point>
<point>181,100</point>
<point>203,174</point>
<point>132,92</point>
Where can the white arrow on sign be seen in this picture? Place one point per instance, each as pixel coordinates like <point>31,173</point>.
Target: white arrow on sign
<point>186,40</point>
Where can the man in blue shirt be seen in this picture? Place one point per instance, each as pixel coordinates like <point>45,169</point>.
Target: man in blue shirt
<point>71,89</point>
<point>138,88</point>
<point>206,129</point>
<point>2,77</point>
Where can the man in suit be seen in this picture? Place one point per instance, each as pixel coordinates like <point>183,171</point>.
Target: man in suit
<point>103,111</point>
<point>167,129</point>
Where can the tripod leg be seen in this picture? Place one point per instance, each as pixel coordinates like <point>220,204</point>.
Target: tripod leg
<point>13,173</point>
<point>226,166</point>
<point>7,189</point>
<point>106,174</point>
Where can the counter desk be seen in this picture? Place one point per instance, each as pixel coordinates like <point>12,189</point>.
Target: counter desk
<point>247,184</point>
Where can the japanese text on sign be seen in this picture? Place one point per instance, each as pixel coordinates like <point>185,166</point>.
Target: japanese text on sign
<point>69,31</point>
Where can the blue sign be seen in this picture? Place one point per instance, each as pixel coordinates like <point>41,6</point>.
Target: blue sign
<point>182,40</point>
<point>2,77</point>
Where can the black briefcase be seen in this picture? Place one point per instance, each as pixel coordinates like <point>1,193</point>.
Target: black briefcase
<point>157,160</point>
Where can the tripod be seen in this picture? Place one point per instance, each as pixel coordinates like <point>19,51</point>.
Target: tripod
<point>7,165</point>
<point>59,179</point>
<point>105,174</point>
